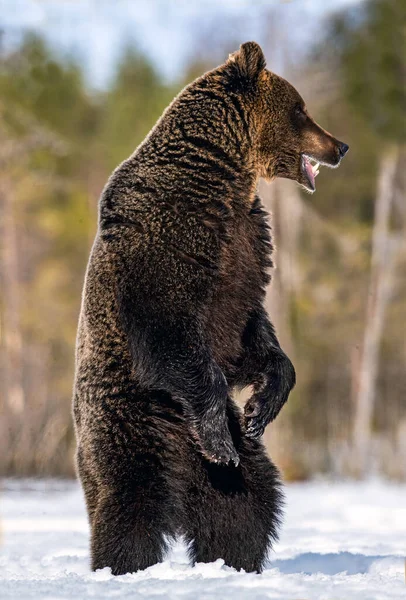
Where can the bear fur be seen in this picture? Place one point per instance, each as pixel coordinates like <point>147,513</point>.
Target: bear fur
<point>173,320</point>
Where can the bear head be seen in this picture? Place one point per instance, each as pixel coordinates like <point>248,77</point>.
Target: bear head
<point>286,138</point>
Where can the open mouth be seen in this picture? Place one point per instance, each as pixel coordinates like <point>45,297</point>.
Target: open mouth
<point>310,172</point>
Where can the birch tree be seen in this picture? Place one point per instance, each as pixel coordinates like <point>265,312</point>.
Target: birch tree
<point>383,260</point>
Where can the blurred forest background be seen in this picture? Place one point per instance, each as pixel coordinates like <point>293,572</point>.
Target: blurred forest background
<point>338,296</point>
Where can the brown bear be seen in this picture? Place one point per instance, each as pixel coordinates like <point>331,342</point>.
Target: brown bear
<point>173,320</point>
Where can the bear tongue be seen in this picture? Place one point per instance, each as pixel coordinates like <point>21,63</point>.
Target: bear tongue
<point>309,170</point>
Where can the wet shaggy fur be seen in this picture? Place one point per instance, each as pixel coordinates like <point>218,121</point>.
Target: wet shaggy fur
<point>173,320</point>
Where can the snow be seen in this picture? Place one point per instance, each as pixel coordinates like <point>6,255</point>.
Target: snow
<point>340,541</point>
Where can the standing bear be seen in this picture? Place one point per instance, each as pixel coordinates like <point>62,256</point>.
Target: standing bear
<point>173,320</point>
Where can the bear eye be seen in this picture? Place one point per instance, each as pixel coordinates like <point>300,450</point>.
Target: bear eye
<point>299,110</point>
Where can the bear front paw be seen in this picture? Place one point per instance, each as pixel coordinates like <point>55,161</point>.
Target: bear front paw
<point>258,412</point>
<point>265,405</point>
<point>217,446</point>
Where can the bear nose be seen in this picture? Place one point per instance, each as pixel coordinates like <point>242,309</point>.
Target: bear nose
<point>343,149</point>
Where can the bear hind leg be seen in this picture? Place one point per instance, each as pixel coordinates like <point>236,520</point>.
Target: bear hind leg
<point>135,513</point>
<point>125,536</point>
<point>236,514</point>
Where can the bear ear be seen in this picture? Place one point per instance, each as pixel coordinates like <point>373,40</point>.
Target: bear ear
<point>249,60</point>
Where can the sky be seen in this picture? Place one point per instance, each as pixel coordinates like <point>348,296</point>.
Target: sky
<point>171,32</point>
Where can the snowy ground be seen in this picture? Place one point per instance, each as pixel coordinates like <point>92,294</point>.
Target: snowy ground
<point>340,541</point>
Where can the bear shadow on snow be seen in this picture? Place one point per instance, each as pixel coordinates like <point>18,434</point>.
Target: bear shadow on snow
<point>173,320</point>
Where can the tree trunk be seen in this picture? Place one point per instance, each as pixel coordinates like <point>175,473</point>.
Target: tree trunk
<point>380,285</point>
<point>11,336</point>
